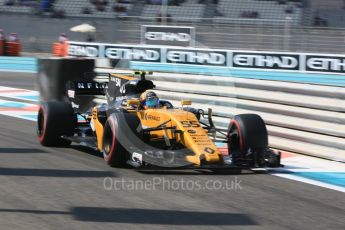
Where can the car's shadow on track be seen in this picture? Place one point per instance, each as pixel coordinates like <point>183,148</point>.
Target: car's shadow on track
<point>21,150</point>
<point>163,217</point>
<point>147,216</point>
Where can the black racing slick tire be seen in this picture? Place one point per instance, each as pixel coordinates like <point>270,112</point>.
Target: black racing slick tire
<point>120,133</point>
<point>247,131</point>
<point>54,120</point>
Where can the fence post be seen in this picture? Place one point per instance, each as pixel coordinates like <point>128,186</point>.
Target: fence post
<point>287,33</point>
<point>164,12</point>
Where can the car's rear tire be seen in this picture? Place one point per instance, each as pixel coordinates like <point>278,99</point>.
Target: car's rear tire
<point>120,132</point>
<point>247,131</point>
<point>54,120</point>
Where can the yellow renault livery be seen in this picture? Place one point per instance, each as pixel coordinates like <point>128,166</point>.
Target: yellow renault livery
<point>122,117</point>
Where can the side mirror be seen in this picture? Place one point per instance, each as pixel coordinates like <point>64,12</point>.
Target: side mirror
<point>186,102</point>
<point>133,102</point>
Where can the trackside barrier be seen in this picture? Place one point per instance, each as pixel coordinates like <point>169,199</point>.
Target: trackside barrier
<point>220,58</point>
<point>301,118</point>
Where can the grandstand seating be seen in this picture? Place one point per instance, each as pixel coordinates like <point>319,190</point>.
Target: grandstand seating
<point>261,12</point>
<point>268,10</point>
<point>74,8</point>
<point>188,11</point>
<point>15,8</point>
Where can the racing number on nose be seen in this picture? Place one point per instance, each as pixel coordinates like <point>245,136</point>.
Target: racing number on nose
<point>190,124</point>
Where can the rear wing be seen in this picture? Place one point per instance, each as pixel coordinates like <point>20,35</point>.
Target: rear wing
<point>55,73</point>
<point>74,80</point>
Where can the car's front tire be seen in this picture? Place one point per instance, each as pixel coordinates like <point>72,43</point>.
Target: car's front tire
<point>247,134</point>
<point>119,134</point>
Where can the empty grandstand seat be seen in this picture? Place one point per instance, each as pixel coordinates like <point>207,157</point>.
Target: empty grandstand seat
<point>332,17</point>
<point>189,11</point>
<point>331,12</point>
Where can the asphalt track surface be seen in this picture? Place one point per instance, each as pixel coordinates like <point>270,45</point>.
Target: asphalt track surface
<point>63,188</point>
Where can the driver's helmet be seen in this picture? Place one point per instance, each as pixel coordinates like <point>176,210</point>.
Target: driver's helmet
<point>149,99</point>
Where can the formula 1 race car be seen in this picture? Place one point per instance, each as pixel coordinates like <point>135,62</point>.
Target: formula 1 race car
<point>105,112</point>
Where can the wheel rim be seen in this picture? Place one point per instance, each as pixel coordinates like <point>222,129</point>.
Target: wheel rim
<point>107,145</point>
<point>234,141</point>
<point>109,142</point>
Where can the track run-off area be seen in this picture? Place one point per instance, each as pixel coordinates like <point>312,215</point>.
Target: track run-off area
<point>73,188</point>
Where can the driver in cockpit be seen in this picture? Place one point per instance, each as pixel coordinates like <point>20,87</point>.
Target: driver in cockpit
<point>149,100</point>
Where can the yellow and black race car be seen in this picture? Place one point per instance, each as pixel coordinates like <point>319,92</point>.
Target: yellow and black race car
<point>129,130</point>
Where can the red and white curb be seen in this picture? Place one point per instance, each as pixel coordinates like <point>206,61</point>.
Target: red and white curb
<point>20,94</point>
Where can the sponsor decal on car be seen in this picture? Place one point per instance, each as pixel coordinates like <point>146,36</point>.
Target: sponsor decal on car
<point>151,117</point>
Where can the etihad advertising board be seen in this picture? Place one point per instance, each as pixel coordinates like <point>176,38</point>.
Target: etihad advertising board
<point>279,61</point>
<point>167,35</point>
<point>110,51</point>
<point>326,63</point>
<point>196,57</point>
<point>331,64</point>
